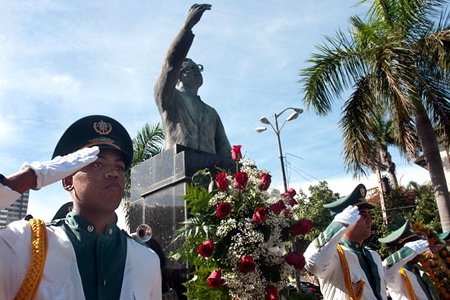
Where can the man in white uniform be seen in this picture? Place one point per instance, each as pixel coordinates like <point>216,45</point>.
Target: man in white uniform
<point>345,268</point>
<point>87,255</point>
<point>409,282</point>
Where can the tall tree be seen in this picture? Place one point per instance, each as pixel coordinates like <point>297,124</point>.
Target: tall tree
<point>147,143</point>
<point>400,50</point>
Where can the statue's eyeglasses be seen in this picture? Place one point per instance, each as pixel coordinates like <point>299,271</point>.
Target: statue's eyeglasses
<point>192,68</point>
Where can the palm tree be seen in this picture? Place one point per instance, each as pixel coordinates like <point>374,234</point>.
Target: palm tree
<point>398,57</point>
<point>147,143</point>
<point>367,135</point>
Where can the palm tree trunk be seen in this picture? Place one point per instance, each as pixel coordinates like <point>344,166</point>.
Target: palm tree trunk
<point>382,200</point>
<point>390,169</point>
<point>432,156</point>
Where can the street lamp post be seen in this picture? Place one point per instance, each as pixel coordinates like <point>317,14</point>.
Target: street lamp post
<point>277,130</point>
<point>283,172</point>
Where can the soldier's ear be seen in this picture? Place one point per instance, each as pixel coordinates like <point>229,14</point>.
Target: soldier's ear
<point>68,183</point>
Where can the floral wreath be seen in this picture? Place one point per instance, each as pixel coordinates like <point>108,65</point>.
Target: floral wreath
<point>238,238</point>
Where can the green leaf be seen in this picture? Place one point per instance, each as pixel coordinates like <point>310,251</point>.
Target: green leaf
<point>272,274</point>
<point>197,198</point>
<point>265,229</point>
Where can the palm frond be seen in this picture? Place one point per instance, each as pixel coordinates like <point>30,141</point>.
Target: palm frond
<point>334,69</point>
<point>359,150</point>
<point>148,142</point>
<point>195,226</point>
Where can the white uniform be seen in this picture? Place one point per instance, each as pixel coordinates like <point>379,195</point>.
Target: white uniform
<point>397,287</point>
<point>322,259</point>
<point>61,278</point>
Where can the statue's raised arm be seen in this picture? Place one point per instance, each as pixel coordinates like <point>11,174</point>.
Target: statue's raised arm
<point>186,119</point>
<point>194,15</point>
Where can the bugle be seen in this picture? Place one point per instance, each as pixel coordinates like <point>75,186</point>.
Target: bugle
<point>143,233</point>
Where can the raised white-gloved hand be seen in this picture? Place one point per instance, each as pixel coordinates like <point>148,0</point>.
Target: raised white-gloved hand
<point>419,246</point>
<point>348,216</point>
<point>60,167</point>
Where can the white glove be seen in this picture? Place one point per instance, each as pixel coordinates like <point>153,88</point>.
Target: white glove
<point>348,216</point>
<point>419,246</point>
<point>60,167</point>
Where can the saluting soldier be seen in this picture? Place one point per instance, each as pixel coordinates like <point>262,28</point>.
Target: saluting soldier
<point>345,267</point>
<point>410,282</point>
<point>85,255</point>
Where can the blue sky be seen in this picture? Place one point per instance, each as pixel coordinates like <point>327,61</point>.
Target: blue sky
<point>63,60</point>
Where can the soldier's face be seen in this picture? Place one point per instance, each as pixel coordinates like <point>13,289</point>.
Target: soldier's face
<point>361,230</point>
<point>100,185</point>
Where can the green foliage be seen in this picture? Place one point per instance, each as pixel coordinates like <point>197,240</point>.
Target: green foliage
<point>197,198</point>
<point>198,288</point>
<point>312,208</point>
<point>415,203</point>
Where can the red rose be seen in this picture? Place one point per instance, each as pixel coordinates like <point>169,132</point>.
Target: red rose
<point>278,207</point>
<point>236,152</point>
<point>296,259</point>
<point>206,249</point>
<point>223,210</point>
<point>290,195</point>
<point>222,181</point>
<point>260,216</point>
<point>271,293</point>
<point>247,264</point>
<point>241,179</point>
<point>302,227</point>
<point>215,279</point>
<point>292,202</point>
<point>287,214</point>
<point>265,180</point>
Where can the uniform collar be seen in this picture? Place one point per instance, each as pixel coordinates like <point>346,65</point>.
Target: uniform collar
<point>77,222</point>
<point>350,244</point>
<point>408,267</point>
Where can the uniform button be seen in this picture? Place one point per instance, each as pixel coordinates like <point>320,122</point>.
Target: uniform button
<point>90,228</point>
<point>104,282</point>
<point>110,231</point>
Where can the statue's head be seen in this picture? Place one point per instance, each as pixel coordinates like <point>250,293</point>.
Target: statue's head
<point>191,73</point>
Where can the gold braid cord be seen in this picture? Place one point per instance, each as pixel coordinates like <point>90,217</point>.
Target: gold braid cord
<point>39,247</point>
<point>411,293</point>
<point>348,278</point>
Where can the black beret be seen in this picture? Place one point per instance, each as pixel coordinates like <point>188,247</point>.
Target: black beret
<point>96,130</point>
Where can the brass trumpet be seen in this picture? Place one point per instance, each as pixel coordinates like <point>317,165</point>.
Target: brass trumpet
<point>143,233</point>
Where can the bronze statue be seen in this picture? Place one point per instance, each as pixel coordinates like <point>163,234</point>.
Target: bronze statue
<point>186,119</point>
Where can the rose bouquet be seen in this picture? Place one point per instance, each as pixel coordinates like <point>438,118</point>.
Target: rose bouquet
<point>238,238</point>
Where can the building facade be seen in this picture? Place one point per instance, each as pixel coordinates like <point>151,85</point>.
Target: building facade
<point>17,211</point>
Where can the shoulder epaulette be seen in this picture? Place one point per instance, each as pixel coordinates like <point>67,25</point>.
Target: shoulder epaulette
<point>398,256</point>
<point>326,235</point>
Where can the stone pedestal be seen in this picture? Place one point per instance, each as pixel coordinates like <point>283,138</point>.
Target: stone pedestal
<point>157,186</point>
